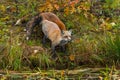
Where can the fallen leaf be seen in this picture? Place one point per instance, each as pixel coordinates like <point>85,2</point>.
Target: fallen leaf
<point>56,6</point>
<point>72,57</point>
<point>62,73</point>
<point>2,8</point>
<point>66,10</point>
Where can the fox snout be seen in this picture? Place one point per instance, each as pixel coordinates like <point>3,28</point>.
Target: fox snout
<point>69,39</point>
<point>65,41</point>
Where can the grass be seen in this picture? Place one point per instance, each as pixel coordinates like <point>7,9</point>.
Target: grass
<point>41,60</point>
<point>113,47</point>
<point>15,54</point>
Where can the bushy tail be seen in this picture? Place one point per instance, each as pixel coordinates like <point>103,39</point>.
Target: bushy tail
<point>36,20</point>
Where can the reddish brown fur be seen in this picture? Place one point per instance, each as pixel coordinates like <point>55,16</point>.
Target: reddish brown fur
<point>52,17</point>
<point>46,16</point>
<point>37,19</point>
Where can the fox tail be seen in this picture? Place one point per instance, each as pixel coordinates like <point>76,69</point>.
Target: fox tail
<point>36,20</point>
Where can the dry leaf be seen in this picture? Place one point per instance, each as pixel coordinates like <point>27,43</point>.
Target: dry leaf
<point>2,8</point>
<point>72,57</point>
<point>66,10</point>
<point>56,6</point>
<point>73,9</point>
<point>62,73</point>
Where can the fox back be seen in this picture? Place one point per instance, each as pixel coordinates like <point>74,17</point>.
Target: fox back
<point>53,32</point>
<point>52,17</point>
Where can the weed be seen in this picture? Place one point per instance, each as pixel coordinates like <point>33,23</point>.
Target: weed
<point>15,54</point>
<point>112,47</point>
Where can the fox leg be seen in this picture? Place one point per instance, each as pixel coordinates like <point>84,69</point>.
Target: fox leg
<point>44,40</point>
<point>63,49</point>
<point>53,51</point>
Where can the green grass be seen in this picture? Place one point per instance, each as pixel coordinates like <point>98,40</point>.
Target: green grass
<point>113,47</point>
<point>15,54</point>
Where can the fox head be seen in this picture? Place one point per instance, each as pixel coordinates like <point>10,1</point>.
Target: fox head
<point>66,37</point>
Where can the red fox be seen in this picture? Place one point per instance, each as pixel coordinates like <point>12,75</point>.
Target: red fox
<point>45,16</point>
<point>52,27</point>
<point>54,34</point>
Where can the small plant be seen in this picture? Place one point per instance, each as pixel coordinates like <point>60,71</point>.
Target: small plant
<point>44,60</point>
<point>14,54</point>
<point>113,47</point>
<point>108,48</point>
<point>41,60</point>
<point>108,73</point>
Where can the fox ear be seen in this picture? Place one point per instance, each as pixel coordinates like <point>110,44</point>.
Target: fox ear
<point>70,31</point>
